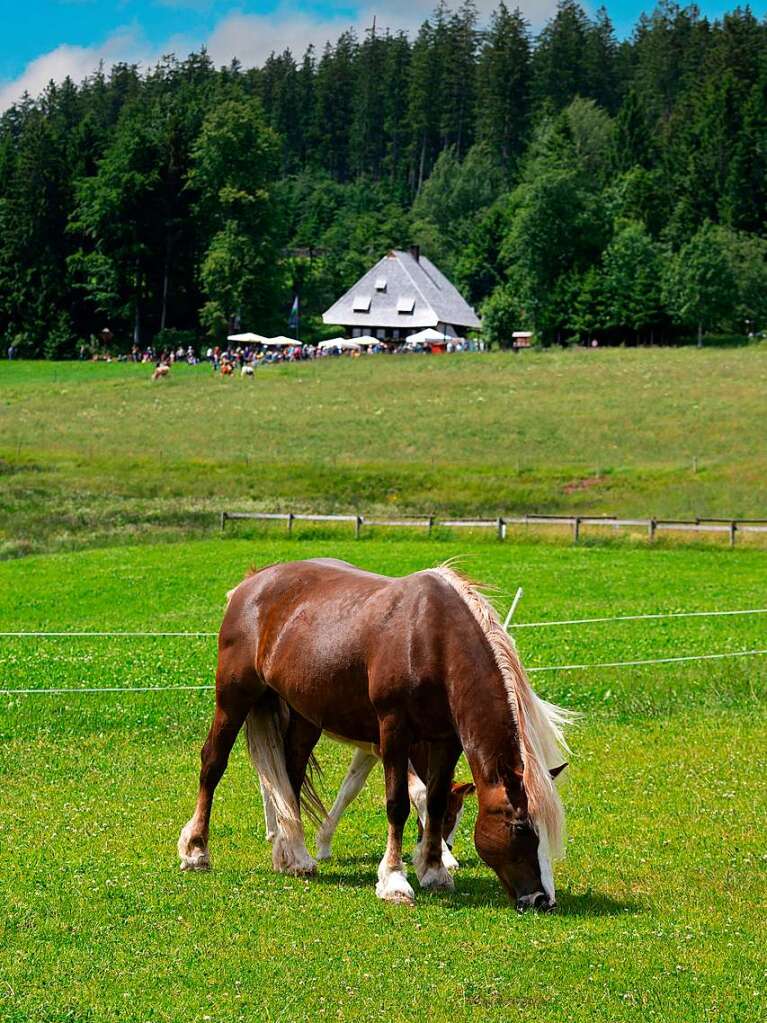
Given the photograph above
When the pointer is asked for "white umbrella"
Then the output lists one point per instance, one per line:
(280, 341)
(367, 341)
(339, 342)
(431, 334)
(248, 338)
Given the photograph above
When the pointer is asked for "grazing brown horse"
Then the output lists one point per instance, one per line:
(387, 663)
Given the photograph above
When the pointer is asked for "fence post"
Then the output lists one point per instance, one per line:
(576, 528)
(651, 529)
(501, 529)
(357, 527)
(431, 524)
(733, 528)
(224, 517)
(290, 523)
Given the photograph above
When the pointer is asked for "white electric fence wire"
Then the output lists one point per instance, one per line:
(639, 618)
(107, 635)
(552, 667)
(652, 660)
(43, 634)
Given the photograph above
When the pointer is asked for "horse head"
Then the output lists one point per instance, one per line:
(515, 844)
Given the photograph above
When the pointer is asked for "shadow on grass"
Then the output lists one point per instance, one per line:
(476, 892)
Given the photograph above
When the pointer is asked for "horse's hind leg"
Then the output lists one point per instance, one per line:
(231, 707)
(359, 769)
(393, 884)
(282, 773)
(419, 799)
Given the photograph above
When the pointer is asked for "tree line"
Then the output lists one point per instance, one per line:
(584, 187)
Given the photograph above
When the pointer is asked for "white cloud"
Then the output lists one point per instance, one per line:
(252, 37)
(248, 37)
(77, 62)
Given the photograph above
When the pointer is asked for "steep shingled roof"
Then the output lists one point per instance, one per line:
(409, 283)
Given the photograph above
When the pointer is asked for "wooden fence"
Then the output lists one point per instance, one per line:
(576, 523)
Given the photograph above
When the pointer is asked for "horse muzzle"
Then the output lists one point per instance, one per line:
(538, 901)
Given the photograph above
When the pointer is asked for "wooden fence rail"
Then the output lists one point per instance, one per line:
(731, 527)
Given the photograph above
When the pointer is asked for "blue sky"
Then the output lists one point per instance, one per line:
(43, 39)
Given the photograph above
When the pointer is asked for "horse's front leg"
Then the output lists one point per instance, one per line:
(418, 797)
(427, 859)
(231, 709)
(392, 884)
(359, 769)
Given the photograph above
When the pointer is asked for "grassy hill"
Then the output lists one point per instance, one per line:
(94, 453)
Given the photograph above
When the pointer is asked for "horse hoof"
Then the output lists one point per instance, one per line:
(193, 857)
(198, 860)
(324, 852)
(302, 866)
(395, 888)
(287, 858)
(437, 879)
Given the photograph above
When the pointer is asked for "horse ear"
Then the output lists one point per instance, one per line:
(464, 789)
(554, 771)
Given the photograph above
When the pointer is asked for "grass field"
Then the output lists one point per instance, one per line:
(661, 897)
(96, 454)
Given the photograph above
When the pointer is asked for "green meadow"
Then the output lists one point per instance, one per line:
(96, 454)
(662, 893)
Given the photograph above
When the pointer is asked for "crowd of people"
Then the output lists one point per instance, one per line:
(244, 359)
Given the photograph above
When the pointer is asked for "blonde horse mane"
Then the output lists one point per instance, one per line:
(540, 725)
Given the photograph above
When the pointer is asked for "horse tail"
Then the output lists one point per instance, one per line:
(265, 728)
(311, 801)
(266, 747)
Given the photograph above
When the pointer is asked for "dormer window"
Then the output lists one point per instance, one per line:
(381, 284)
(361, 303)
(405, 305)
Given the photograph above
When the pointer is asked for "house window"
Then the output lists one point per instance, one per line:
(406, 304)
(357, 332)
(361, 304)
(395, 334)
(381, 334)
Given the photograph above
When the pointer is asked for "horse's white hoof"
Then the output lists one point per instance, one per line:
(198, 860)
(437, 879)
(290, 858)
(395, 888)
(192, 857)
(449, 862)
(323, 852)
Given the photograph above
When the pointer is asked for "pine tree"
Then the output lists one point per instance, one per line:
(560, 61)
(503, 86)
(633, 144)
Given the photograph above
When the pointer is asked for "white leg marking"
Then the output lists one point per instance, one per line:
(449, 862)
(417, 791)
(544, 865)
(393, 885)
(359, 769)
(192, 858)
